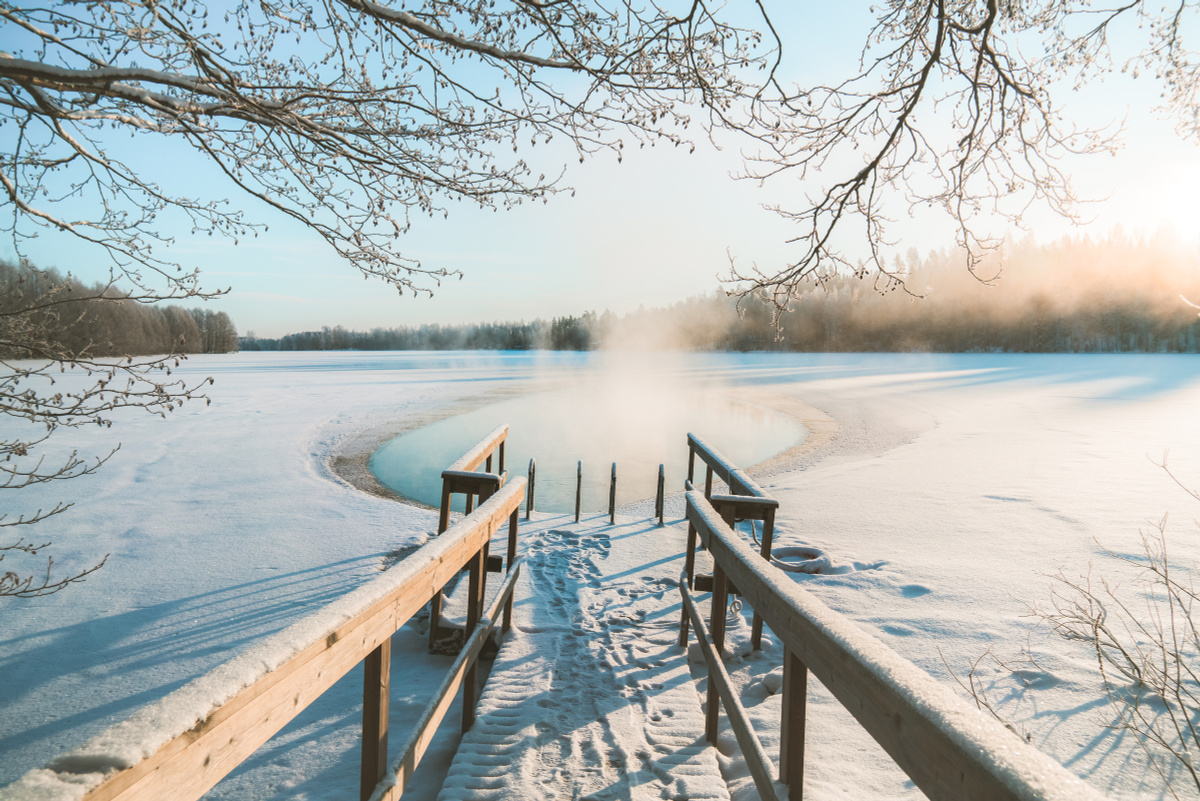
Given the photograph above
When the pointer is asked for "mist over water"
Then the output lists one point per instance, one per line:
(635, 419)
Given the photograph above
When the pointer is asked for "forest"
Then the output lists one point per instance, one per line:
(1077, 295)
(43, 312)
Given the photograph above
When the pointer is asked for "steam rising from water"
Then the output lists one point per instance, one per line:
(632, 411)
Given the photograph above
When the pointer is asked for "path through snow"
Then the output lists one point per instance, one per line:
(590, 696)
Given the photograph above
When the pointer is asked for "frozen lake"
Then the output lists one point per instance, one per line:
(946, 493)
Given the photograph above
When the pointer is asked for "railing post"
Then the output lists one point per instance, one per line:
(501, 468)
(444, 511)
(478, 569)
(658, 497)
(689, 566)
(612, 497)
(377, 669)
(719, 600)
(532, 475)
(512, 557)
(435, 603)
(767, 536)
(578, 488)
(791, 740)
(708, 474)
(691, 463)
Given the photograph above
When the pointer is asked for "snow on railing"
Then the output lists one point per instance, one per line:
(739, 483)
(180, 746)
(949, 749)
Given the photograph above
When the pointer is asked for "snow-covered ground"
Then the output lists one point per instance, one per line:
(946, 493)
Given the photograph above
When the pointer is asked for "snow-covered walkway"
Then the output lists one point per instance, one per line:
(590, 695)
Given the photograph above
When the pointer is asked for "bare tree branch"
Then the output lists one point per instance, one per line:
(951, 109)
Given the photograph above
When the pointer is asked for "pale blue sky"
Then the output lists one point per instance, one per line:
(652, 230)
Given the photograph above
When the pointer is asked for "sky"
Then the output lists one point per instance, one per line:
(657, 228)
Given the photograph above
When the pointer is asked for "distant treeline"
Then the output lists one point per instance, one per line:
(43, 313)
(561, 333)
(1121, 294)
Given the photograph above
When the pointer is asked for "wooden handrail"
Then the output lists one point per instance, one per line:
(950, 749)
(482, 452)
(462, 478)
(739, 483)
(283, 677)
(748, 501)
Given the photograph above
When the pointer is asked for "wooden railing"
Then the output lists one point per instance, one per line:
(463, 478)
(949, 749)
(746, 501)
(288, 671)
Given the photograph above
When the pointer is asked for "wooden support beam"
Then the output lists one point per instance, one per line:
(377, 671)
(512, 562)
(791, 740)
(475, 592)
(719, 600)
(689, 572)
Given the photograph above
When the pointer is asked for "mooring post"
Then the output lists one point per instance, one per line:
(529, 502)
(658, 498)
(612, 497)
(578, 488)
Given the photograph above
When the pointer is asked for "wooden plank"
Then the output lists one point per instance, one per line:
(188, 765)
(746, 507)
(718, 680)
(418, 742)
(469, 482)
(947, 747)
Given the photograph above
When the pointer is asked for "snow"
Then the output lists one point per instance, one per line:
(952, 488)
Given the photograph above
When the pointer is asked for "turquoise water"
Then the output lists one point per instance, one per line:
(636, 427)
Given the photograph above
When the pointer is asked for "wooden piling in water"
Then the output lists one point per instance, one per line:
(578, 488)
(612, 497)
(658, 497)
(532, 474)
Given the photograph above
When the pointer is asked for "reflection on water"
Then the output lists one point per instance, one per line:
(637, 427)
